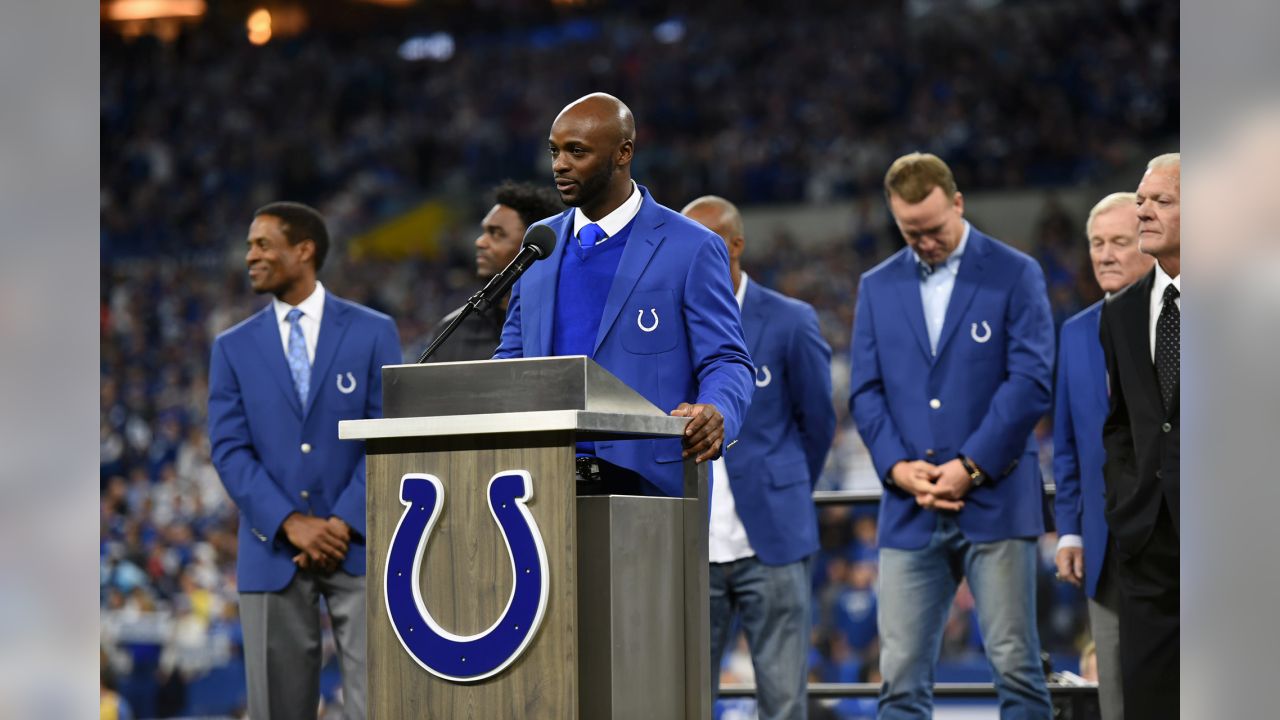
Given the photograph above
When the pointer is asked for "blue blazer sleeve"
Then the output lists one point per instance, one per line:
(350, 505)
(1066, 462)
(1025, 394)
(717, 347)
(246, 480)
(867, 402)
(511, 344)
(809, 383)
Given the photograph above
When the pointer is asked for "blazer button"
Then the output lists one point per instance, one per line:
(1166, 427)
(929, 453)
(935, 403)
(305, 494)
(306, 447)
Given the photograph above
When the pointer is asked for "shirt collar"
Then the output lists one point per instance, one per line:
(952, 262)
(312, 307)
(1162, 280)
(741, 294)
(612, 223)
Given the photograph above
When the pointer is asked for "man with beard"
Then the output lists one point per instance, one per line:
(643, 291)
(516, 207)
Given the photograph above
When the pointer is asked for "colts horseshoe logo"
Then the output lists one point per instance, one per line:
(350, 387)
(986, 332)
(640, 320)
(438, 651)
(763, 380)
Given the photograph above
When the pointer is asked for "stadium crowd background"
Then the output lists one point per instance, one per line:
(752, 102)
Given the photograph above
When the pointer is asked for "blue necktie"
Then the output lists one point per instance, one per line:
(299, 365)
(926, 270)
(589, 235)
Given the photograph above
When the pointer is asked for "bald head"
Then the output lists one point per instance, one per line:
(722, 218)
(591, 143)
(604, 111)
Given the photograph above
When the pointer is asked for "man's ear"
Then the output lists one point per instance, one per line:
(307, 251)
(625, 152)
(736, 246)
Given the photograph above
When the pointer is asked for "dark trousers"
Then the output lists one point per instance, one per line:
(1149, 624)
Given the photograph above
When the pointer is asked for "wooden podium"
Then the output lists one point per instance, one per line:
(619, 583)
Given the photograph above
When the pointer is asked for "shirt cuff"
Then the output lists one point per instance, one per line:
(1070, 541)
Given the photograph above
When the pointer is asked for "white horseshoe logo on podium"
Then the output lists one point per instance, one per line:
(640, 320)
(350, 387)
(986, 332)
(766, 379)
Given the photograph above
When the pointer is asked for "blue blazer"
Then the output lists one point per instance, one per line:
(274, 455)
(678, 270)
(1079, 411)
(788, 429)
(980, 396)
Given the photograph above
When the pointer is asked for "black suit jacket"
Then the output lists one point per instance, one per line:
(1141, 439)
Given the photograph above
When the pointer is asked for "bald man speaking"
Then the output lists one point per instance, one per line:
(641, 290)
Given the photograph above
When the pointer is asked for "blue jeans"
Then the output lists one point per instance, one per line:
(773, 604)
(916, 591)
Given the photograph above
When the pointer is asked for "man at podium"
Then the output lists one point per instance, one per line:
(641, 290)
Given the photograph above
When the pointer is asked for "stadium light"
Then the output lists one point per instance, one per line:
(259, 26)
(125, 10)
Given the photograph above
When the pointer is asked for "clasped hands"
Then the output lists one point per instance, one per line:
(935, 487)
(322, 542)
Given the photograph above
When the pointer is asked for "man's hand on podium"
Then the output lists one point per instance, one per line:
(705, 432)
(322, 543)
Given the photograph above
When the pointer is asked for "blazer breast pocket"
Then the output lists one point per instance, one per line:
(982, 338)
(651, 322)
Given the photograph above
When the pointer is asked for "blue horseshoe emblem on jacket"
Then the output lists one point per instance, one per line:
(438, 651)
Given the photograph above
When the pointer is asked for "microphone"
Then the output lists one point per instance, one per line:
(539, 241)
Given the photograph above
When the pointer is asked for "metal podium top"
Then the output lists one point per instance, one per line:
(523, 395)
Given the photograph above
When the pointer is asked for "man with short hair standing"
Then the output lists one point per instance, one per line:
(279, 383)
(516, 206)
(1141, 340)
(952, 358)
(1080, 407)
(763, 522)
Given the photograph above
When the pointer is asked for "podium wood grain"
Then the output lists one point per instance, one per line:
(466, 577)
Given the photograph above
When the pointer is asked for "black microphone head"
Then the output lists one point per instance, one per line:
(540, 238)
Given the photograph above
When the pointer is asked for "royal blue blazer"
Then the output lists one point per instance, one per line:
(1080, 409)
(788, 429)
(670, 330)
(980, 396)
(276, 456)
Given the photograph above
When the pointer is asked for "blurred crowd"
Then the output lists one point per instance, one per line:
(744, 100)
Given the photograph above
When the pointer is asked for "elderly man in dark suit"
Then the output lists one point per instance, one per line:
(1140, 331)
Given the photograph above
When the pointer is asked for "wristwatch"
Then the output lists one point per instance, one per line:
(976, 475)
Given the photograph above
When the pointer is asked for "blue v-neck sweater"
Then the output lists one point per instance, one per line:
(586, 274)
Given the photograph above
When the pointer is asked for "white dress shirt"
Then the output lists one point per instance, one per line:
(612, 223)
(728, 539)
(312, 311)
(1157, 302)
(935, 290)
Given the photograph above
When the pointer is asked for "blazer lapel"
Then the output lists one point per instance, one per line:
(1138, 334)
(753, 318)
(967, 281)
(538, 292)
(908, 282)
(332, 327)
(266, 336)
(643, 242)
